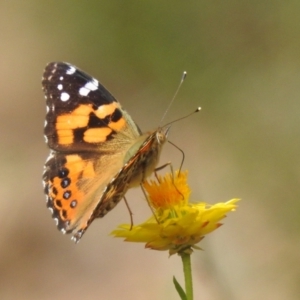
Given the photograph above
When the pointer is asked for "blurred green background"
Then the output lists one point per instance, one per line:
(243, 64)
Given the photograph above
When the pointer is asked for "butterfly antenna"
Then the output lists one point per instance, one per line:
(195, 111)
(180, 83)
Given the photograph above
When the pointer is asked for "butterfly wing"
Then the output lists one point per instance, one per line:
(89, 134)
(81, 114)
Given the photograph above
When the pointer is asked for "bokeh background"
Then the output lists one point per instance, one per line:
(243, 64)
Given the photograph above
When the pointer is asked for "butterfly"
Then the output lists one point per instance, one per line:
(97, 152)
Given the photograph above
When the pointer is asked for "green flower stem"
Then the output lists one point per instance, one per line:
(187, 270)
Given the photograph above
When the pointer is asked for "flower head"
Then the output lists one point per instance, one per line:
(177, 225)
(168, 191)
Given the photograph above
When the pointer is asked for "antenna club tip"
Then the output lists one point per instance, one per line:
(198, 109)
(184, 75)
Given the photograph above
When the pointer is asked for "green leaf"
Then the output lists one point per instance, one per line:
(179, 289)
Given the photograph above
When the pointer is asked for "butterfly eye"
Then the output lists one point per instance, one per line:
(161, 135)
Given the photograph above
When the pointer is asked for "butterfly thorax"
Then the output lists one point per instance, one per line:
(144, 155)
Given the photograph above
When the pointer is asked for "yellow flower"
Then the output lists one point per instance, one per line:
(178, 224)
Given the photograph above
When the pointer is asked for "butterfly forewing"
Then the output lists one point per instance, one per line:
(81, 113)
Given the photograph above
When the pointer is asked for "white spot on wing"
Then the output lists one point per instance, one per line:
(60, 86)
(71, 71)
(45, 123)
(64, 96)
(89, 86)
(92, 85)
(84, 91)
(47, 109)
(61, 78)
(51, 155)
(56, 221)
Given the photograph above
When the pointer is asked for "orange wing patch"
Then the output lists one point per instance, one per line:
(80, 118)
(96, 135)
(64, 190)
(75, 119)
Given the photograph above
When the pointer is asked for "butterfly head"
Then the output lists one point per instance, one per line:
(162, 134)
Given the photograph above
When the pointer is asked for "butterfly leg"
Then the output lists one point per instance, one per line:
(183, 155)
(130, 212)
(147, 199)
(162, 167)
